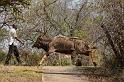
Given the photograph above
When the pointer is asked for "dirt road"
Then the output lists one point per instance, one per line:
(55, 74)
(70, 74)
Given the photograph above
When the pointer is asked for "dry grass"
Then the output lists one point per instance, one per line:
(20, 74)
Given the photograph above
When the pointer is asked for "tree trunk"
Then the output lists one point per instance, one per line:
(118, 51)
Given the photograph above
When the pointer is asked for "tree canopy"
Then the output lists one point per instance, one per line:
(12, 8)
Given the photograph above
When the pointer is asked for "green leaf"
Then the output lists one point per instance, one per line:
(80, 33)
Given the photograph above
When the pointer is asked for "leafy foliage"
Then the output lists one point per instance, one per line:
(12, 9)
(14, 2)
(2, 33)
(2, 56)
(80, 33)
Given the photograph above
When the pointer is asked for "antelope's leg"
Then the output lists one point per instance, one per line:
(43, 59)
(73, 55)
(51, 50)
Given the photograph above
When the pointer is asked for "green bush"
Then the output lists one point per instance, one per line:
(2, 56)
(33, 59)
(57, 60)
(29, 58)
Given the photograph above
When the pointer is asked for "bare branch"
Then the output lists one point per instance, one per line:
(50, 3)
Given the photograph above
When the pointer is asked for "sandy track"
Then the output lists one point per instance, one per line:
(54, 74)
(70, 74)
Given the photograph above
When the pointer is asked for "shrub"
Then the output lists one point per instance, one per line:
(2, 56)
(57, 60)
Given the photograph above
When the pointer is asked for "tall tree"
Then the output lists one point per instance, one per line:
(11, 9)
